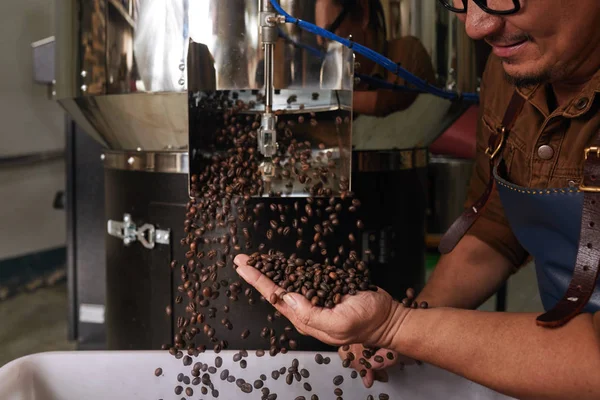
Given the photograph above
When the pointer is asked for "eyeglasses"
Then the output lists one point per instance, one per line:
(494, 7)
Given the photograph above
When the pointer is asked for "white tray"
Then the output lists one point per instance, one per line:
(130, 375)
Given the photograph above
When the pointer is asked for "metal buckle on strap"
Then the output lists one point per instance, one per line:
(493, 153)
(586, 154)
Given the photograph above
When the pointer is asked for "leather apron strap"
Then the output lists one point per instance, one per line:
(494, 151)
(585, 273)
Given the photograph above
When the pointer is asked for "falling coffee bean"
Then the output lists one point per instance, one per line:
(158, 372)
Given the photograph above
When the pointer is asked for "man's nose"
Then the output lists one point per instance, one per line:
(480, 24)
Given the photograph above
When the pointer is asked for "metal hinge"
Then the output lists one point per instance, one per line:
(129, 232)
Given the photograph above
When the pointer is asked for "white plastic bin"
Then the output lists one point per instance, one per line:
(130, 375)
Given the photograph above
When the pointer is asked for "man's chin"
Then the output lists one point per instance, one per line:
(522, 79)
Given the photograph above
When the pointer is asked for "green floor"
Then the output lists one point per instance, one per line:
(34, 322)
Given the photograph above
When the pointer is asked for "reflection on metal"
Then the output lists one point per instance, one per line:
(172, 162)
(147, 234)
(106, 53)
(382, 161)
(444, 37)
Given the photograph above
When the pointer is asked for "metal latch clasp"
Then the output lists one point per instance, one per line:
(147, 234)
(586, 154)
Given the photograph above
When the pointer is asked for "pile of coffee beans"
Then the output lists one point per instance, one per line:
(227, 215)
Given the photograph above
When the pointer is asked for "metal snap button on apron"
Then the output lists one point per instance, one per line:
(545, 152)
(582, 103)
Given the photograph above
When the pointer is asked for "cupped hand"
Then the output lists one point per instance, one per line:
(368, 317)
(377, 372)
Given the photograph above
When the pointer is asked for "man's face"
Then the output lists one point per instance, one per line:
(545, 40)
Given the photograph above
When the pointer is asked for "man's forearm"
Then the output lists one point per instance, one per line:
(506, 352)
(467, 277)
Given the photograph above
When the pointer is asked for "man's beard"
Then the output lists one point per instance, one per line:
(526, 81)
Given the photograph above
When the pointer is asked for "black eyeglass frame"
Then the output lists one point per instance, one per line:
(485, 8)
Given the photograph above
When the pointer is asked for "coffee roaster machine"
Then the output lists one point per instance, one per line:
(132, 76)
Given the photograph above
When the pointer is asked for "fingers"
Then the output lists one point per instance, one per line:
(254, 277)
(300, 312)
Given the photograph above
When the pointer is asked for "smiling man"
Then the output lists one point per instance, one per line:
(534, 192)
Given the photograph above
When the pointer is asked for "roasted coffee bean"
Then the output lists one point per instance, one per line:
(389, 355)
(304, 372)
(314, 397)
(272, 396)
(258, 384)
(289, 378)
(245, 334)
(212, 370)
(384, 396)
(186, 380)
(246, 388)
(338, 392)
(423, 304)
(231, 379)
(345, 347)
(346, 363)
(370, 397)
(224, 374)
(243, 364)
(275, 375)
(178, 390)
(353, 374)
(196, 381)
(338, 380)
(326, 360)
(307, 387)
(363, 373)
(260, 353)
(189, 392)
(300, 398)
(214, 393)
(158, 372)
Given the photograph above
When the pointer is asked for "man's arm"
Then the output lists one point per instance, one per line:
(466, 277)
(507, 352)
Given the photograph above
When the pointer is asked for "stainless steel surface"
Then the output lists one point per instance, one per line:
(43, 60)
(146, 234)
(122, 74)
(380, 161)
(444, 37)
(173, 162)
(449, 179)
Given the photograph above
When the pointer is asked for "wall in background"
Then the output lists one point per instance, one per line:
(30, 122)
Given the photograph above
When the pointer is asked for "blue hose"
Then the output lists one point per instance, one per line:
(315, 52)
(385, 62)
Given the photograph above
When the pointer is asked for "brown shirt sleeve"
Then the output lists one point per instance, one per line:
(492, 227)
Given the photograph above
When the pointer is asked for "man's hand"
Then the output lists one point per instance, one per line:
(377, 372)
(367, 317)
